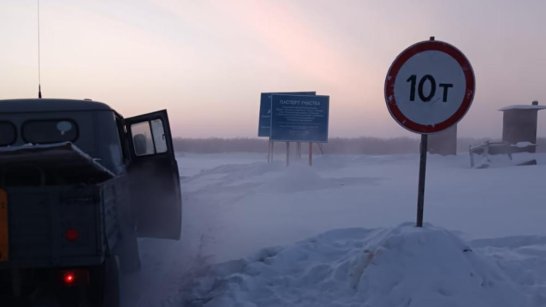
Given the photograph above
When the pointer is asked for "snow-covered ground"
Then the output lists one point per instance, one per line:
(337, 234)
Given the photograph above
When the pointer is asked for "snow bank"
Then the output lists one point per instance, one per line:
(389, 267)
(523, 259)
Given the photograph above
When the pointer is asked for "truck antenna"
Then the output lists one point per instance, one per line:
(39, 64)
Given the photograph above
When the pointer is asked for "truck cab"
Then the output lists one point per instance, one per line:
(79, 183)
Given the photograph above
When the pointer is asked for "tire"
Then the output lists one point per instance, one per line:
(111, 290)
(129, 255)
(105, 284)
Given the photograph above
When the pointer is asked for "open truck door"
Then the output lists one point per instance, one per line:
(155, 183)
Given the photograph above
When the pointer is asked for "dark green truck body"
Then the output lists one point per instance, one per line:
(40, 217)
(79, 187)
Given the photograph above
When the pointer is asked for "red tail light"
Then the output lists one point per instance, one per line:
(69, 278)
(71, 234)
(73, 277)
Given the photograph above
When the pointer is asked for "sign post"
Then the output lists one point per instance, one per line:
(428, 88)
(272, 150)
(287, 153)
(422, 173)
(310, 154)
(269, 151)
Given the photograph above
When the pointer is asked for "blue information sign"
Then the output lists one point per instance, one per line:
(264, 124)
(299, 118)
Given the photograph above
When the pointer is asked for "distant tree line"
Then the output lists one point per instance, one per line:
(361, 145)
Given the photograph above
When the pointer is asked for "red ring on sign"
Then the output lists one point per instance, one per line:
(401, 59)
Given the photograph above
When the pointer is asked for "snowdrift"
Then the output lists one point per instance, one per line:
(401, 266)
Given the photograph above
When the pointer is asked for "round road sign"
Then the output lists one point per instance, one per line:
(429, 87)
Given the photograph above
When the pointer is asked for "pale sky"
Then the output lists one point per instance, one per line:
(207, 62)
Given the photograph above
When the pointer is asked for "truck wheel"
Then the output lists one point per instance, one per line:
(105, 288)
(111, 297)
(129, 255)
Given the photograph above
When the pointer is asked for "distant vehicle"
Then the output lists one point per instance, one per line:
(78, 185)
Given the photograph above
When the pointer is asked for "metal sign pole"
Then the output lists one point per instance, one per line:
(422, 175)
(272, 150)
(310, 154)
(269, 151)
(287, 153)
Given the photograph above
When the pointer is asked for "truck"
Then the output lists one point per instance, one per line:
(79, 184)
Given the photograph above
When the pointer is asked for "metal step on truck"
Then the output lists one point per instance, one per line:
(79, 184)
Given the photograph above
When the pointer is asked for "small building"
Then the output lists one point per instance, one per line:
(443, 142)
(519, 125)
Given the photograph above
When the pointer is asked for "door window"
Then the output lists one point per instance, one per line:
(7, 133)
(50, 131)
(149, 137)
(159, 136)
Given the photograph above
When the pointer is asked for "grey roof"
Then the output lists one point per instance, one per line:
(51, 105)
(523, 107)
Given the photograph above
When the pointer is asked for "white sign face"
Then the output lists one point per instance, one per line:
(429, 87)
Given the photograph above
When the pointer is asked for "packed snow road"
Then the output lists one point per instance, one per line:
(237, 204)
